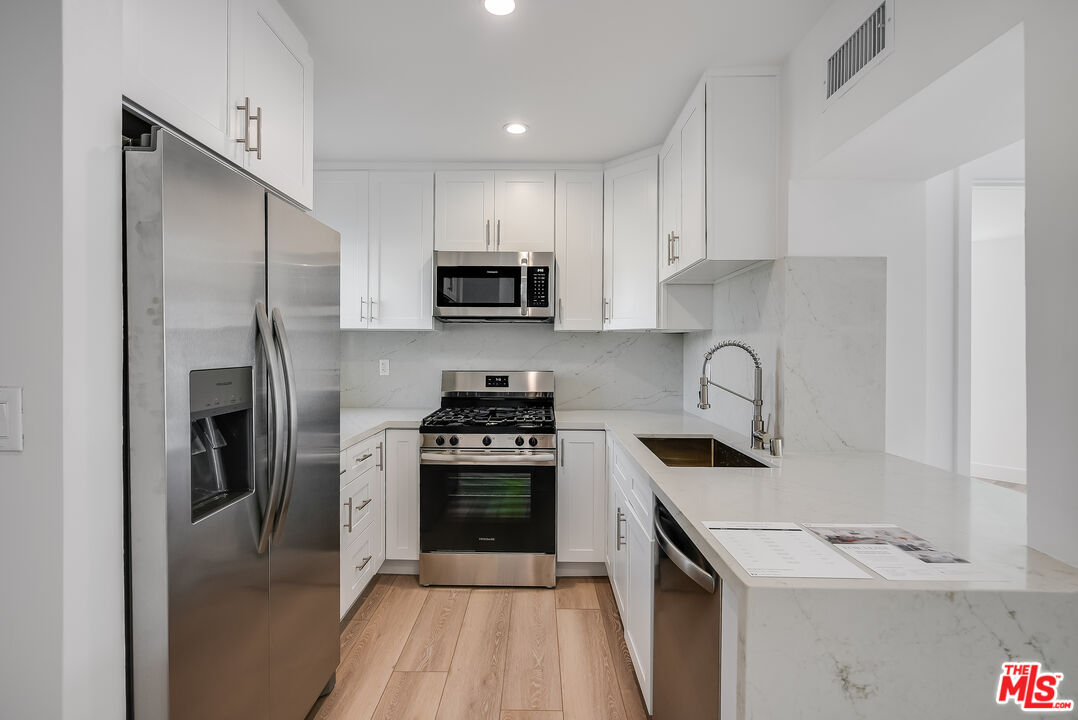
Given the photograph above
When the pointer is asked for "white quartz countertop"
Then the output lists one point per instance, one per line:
(981, 522)
(358, 424)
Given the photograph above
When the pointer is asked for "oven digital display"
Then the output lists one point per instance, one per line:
(497, 381)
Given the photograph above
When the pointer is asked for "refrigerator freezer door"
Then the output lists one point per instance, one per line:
(304, 299)
(199, 597)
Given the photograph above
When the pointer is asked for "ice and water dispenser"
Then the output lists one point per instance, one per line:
(221, 439)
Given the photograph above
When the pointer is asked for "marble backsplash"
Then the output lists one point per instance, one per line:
(624, 371)
(818, 325)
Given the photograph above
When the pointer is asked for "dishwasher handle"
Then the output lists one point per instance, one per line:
(697, 574)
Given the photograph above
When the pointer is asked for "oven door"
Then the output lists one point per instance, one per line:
(487, 502)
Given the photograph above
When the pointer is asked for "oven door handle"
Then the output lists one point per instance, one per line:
(487, 458)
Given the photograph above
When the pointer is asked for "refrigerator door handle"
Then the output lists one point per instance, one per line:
(277, 446)
(293, 421)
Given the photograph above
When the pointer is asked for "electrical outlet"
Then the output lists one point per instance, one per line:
(383, 367)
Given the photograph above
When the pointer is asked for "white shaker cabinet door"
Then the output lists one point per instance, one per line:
(619, 553)
(524, 211)
(402, 494)
(401, 250)
(638, 620)
(464, 210)
(176, 59)
(275, 71)
(669, 203)
(578, 251)
(630, 226)
(340, 201)
(581, 496)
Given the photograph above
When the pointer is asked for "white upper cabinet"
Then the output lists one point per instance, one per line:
(464, 210)
(401, 223)
(669, 202)
(524, 211)
(578, 250)
(176, 66)
(386, 222)
(720, 180)
(192, 64)
(508, 210)
(630, 219)
(274, 79)
(341, 201)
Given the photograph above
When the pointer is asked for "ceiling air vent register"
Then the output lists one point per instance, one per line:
(863, 50)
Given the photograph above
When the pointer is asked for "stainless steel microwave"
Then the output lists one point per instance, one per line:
(493, 286)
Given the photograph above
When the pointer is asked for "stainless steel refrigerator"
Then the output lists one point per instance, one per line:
(232, 432)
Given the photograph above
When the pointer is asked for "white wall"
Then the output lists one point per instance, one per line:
(931, 39)
(998, 334)
(60, 499)
(1051, 290)
(93, 612)
(30, 356)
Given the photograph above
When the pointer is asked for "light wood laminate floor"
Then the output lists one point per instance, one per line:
(415, 653)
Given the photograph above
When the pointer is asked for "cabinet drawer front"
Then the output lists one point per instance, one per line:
(360, 458)
(359, 562)
(359, 501)
(636, 485)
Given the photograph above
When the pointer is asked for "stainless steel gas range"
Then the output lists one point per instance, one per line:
(488, 462)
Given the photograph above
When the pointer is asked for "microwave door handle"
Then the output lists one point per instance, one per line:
(524, 286)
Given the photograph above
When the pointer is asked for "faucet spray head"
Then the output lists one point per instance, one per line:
(703, 404)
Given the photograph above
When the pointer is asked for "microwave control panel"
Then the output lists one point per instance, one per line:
(538, 286)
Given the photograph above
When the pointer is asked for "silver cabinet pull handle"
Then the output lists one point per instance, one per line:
(674, 237)
(498, 236)
(621, 538)
(363, 308)
(343, 472)
(561, 310)
(363, 457)
(363, 504)
(381, 457)
(289, 373)
(348, 504)
(246, 139)
(258, 132)
(372, 308)
(364, 563)
(488, 235)
(278, 444)
(606, 308)
(669, 249)
(561, 460)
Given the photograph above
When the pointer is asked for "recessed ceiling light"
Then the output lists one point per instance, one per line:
(516, 128)
(500, 7)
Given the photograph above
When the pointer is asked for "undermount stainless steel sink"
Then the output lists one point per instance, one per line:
(679, 451)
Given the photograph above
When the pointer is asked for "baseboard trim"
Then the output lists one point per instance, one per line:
(998, 472)
(562, 569)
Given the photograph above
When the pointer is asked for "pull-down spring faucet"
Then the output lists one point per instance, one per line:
(761, 434)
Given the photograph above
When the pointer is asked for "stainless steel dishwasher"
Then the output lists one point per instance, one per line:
(688, 613)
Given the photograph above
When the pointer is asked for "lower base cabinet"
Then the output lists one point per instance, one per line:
(402, 494)
(631, 553)
(362, 530)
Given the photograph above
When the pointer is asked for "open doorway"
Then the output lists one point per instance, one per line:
(997, 445)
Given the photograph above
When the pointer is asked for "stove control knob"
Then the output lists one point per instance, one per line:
(533, 442)
(487, 440)
(519, 441)
(454, 440)
(440, 440)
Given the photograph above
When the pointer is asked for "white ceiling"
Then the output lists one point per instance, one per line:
(435, 80)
